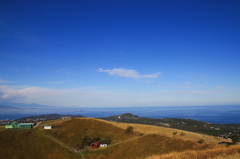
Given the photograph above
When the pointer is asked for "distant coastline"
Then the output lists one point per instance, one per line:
(212, 114)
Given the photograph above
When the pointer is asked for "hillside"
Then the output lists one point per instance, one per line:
(72, 132)
(219, 130)
(29, 144)
(72, 138)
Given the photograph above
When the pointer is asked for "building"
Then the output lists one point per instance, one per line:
(26, 125)
(95, 144)
(15, 125)
(47, 127)
(103, 145)
(12, 125)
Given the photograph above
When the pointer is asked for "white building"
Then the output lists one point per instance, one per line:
(47, 127)
(103, 145)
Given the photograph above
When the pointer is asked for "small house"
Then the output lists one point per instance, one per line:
(47, 127)
(95, 144)
(103, 145)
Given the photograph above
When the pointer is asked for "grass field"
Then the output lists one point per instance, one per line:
(72, 131)
(217, 153)
(149, 129)
(146, 142)
(29, 144)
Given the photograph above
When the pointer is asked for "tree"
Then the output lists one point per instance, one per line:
(235, 138)
(129, 130)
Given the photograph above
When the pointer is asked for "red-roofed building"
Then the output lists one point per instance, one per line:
(95, 144)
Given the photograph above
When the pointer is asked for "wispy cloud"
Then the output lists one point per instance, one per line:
(128, 73)
(202, 75)
(188, 83)
(16, 69)
(64, 70)
(184, 87)
(59, 82)
(220, 87)
(92, 97)
(4, 81)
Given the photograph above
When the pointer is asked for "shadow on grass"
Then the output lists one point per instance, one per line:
(227, 143)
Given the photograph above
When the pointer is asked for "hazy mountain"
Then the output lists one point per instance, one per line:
(12, 104)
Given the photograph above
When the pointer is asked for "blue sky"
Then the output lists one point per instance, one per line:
(120, 53)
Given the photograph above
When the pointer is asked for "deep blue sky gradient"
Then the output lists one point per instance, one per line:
(51, 52)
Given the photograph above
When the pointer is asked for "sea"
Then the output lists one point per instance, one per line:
(228, 114)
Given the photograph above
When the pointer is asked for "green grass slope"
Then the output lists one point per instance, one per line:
(30, 144)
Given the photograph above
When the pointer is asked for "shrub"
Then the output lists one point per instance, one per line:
(129, 130)
(235, 138)
(175, 133)
(200, 141)
(182, 134)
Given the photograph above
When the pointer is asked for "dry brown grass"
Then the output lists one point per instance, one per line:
(157, 142)
(237, 156)
(72, 131)
(217, 153)
(150, 129)
(29, 144)
(149, 144)
(49, 122)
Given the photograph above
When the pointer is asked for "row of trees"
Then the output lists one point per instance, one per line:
(87, 141)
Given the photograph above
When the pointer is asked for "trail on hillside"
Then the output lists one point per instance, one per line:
(53, 122)
(62, 144)
(134, 138)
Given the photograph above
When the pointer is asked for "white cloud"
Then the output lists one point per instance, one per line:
(188, 83)
(59, 82)
(64, 70)
(220, 87)
(128, 73)
(93, 97)
(4, 81)
(16, 69)
(183, 86)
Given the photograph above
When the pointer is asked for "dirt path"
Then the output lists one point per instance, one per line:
(62, 144)
(134, 138)
(54, 122)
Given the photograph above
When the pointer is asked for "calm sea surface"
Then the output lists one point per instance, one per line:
(212, 114)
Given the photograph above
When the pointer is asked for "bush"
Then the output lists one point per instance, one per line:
(129, 130)
(182, 134)
(235, 138)
(200, 141)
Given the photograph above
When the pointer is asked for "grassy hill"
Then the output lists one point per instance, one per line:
(151, 142)
(73, 131)
(29, 144)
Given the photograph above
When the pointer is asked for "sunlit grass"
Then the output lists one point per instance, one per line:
(217, 153)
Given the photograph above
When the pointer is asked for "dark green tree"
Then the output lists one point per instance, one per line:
(129, 130)
(235, 138)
